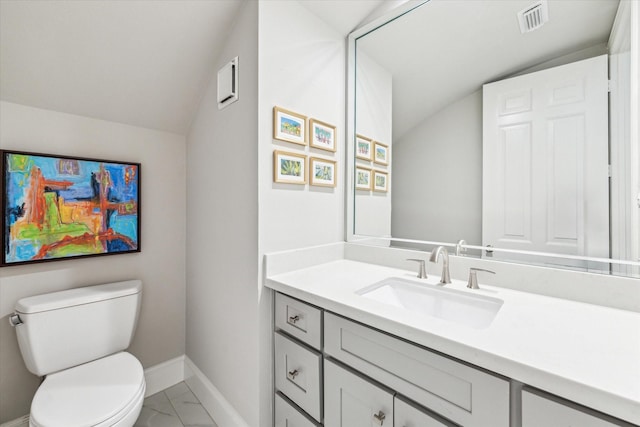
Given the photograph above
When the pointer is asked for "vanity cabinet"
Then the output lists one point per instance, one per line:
(332, 371)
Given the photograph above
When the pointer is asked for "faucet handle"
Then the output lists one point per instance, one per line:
(422, 274)
(473, 277)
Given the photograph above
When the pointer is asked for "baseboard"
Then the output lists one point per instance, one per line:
(18, 422)
(211, 398)
(164, 375)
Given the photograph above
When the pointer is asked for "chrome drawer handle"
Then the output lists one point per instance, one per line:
(293, 374)
(294, 319)
(380, 416)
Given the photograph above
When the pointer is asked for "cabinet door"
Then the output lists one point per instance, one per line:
(409, 415)
(288, 416)
(539, 411)
(352, 401)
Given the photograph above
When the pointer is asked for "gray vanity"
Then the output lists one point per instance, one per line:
(342, 359)
(334, 371)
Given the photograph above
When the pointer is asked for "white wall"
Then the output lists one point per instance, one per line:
(222, 228)
(438, 176)
(374, 91)
(160, 265)
(302, 68)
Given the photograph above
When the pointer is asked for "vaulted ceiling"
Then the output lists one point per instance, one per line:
(143, 62)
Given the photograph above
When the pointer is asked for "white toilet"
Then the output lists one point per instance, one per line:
(76, 339)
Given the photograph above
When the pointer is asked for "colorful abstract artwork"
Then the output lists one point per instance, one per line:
(65, 207)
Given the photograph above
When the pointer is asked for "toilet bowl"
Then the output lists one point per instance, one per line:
(76, 339)
(107, 392)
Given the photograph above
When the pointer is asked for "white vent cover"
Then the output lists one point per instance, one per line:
(533, 17)
(228, 84)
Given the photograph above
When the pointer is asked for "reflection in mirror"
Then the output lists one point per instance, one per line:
(504, 136)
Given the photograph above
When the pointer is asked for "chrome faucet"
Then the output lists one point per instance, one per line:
(437, 252)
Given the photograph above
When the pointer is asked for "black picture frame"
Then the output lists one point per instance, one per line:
(58, 207)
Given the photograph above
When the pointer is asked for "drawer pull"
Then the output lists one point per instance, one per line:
(293, 319)
(293, 374)
(379, 417)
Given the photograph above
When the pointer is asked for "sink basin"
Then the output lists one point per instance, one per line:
(475, 311)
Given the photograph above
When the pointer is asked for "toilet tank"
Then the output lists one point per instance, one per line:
(67, 328)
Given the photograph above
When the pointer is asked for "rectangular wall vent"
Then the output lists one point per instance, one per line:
(533, 17)
(228, 84)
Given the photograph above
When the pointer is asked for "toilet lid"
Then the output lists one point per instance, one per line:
(89, 394)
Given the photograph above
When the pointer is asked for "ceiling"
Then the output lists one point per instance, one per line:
(450, 48)
(144, 62)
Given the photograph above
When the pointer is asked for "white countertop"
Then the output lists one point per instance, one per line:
(583, 352)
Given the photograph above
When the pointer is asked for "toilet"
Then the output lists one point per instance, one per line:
(76, 340)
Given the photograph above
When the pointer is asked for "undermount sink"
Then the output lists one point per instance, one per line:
(475, 311)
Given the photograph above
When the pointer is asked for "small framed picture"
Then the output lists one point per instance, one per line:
(363, 179)
(363, 147)
(322, 135)
(381, 153)
(380, 181)
(289, 126)
(289, 168)
(322, 172)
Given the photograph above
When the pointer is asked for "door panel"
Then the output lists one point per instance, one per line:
(545, 161)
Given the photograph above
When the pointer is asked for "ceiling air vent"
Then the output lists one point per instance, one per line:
(533, 17)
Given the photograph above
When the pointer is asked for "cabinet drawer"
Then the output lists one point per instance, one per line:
(300, 320)
(540, 411)
(299, 374)
(352, 401)
(409, 415)
(288, 416)
(456, 391)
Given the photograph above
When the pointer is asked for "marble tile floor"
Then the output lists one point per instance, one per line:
(176, 406)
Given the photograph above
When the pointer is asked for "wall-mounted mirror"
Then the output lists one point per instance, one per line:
(509, 124)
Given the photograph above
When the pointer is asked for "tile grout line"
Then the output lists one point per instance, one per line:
(199, 403)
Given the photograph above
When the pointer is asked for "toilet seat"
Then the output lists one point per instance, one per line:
(96, 394)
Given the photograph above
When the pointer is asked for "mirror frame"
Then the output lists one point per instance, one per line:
(350, 235)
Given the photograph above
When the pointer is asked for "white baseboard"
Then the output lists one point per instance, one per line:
(18, 422)
(163, 375)
(211, 398)
(166, 374)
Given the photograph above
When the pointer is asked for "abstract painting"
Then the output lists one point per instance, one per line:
(59, 207)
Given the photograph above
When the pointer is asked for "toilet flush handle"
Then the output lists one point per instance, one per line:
(15, 320)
